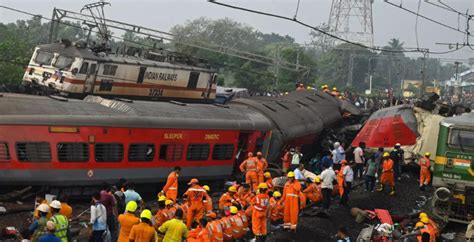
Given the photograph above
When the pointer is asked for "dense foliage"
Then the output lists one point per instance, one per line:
(335, 66)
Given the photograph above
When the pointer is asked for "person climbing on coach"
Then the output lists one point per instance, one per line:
(260, 212)
(250, 168)
(290, 198)
(262, 166)
(398, 157)
(61, 222)
(425, 174)
(170, 190)
(387, 174)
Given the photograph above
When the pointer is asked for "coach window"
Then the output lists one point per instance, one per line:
(84, 67)
(198, 152)
(33, 151)
(4, 152)
(141, 152)
(73, 152)
(223, 152)
(171, 152)
(109, 70)
(193, 79)
(108, 152)
(106, 85)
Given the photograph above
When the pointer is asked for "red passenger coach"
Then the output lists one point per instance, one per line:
(69, 142)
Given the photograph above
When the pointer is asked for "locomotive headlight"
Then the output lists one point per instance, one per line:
(442, 194)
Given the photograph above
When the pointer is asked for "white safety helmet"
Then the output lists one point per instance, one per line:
(55, 204)
(337, 144)
(44, 208)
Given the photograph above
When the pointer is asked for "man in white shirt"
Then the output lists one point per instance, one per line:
(328, 176)
(348, 179)
(98, 219)
(338, 154)
(296, 158)
(299, 174)
(359, 160)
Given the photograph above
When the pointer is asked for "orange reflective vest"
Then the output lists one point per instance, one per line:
(245, 221)
(276, 209)
(195, 196)
(216, 233)
(226, 228)
(424, 163)
(171, 186)
(260, 203)
(269, 182)
(227, 199)
(249, 165)
(313, 193)
(237, 226)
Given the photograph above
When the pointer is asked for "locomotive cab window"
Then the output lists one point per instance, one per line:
(463, 139)
(73, 152)
(171, 152)
(84, 67)
(198, 152)
(106, 85)
(141, 152)
(92, 69)
(223, 152)
(110, 70)
(63, 62)
(43, 58)
(193, 79)
(108, 152)
(33, 151)
(4, 152)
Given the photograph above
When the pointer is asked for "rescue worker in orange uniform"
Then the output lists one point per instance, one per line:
(300, 87)
(207, 201)
(335, 92)
(195, 194)
(268, 180)
(229, 198)
(387, 174)
(245, 195)
(245, 224)
(424, 229)
(313, 191)
(170, 190)
(127, 220)
(290, 198)
(325, 88)
(262, 165)
(276, 208)
(199, 233)
(214, 228)
(430, 223)
(249, 166)
(425, 175)
(340, 178)
(226, 225)
(261, 211)
(163, 213)
(236, 224)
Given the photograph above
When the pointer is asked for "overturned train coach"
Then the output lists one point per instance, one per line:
(58, 141)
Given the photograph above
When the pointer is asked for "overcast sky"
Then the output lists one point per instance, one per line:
(389, 21)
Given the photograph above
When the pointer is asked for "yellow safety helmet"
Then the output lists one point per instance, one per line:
(425, 220)
(276, 194)
(334, 88)
(267, 174)
(146, 214)
(290, 174)
(422, 214)
(131, 206)
(324, 86)
(232, 189)
(206, 187)
(168, 202)
(262, 186)
(428, 154)
(317, 179)
(419, 225)
(234, 210)
(386, 154)
(161, 198)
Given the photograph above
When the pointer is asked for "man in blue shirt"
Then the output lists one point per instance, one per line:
(132, 195)
(49, 237)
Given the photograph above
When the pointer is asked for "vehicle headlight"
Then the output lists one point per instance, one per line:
(442, 194)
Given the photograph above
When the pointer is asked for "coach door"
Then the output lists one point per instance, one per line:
(90, 79)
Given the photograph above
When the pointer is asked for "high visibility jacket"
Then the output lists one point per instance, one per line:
(62, 225)
(424, 163)
(40, 230)
(335, 93)
(262, 164)
(245, 221)
(216, 233)
(161, 216)
(276, 209)
(245, 197)
(226, 228)
(428, 230)
(387, 165)
(193, 235)
(204, 235)
(195, 196)
(302, 200)
(260, 203)
(208, 204)
(126, 221)
(184, 207)
(313, 193)
(237, 226)
(171, 186)
(340, 180)
(249, 165)
(290, 198)
(142, 232)
(269, 182)
(227, 199)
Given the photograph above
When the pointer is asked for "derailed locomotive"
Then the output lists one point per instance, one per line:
(58, 141)
(75, 70)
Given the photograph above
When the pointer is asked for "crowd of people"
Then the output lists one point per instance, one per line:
(243, 211)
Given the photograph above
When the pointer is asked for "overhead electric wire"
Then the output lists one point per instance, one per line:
(416, 24)
(418, 50)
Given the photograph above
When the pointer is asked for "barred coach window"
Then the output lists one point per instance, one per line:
(73, 152)
(33, 151)
(198, 152)
(223, 152)
(141, 152)
(171, 152)
(4, 152)
(108, 152)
